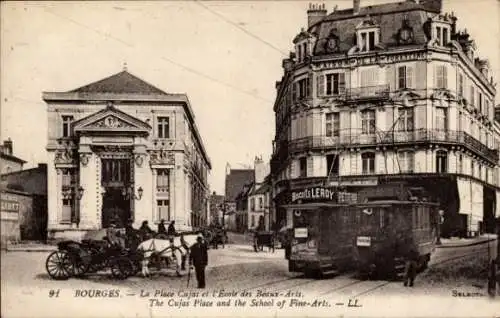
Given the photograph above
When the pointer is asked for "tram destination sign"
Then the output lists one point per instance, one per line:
(314, 194)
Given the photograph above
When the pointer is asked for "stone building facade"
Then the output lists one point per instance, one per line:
(121, 149)
(383, 93)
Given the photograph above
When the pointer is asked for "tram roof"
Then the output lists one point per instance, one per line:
(370, 204)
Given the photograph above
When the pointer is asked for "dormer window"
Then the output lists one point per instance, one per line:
(302, 51)
(367, 35)
(442, 35)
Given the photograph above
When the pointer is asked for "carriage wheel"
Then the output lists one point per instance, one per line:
(80, 267)
(122, 268)
(59, 265)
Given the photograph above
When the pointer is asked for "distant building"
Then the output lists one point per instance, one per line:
(30, 183)
(258, 200)
(9, 162)
(216, 206)
(122, 149)
(237, 185)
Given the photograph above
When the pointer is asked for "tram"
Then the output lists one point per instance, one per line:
(371, 231)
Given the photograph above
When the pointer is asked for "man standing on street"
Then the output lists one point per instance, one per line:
(199, 258)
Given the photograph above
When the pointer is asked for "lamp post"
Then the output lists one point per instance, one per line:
(129, 192)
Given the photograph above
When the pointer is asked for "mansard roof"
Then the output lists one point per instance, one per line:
(390, 17)
(120, 83)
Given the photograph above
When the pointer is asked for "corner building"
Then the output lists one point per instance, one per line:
(384, 93)
(121, 149)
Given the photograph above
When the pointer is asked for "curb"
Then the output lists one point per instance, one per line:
(27, 249)
(467, 244)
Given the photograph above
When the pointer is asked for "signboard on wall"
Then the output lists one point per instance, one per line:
(314, 194)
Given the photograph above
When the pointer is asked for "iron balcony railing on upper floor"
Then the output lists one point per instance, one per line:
(356, 139)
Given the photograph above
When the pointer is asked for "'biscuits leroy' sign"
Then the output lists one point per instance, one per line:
(314, 194)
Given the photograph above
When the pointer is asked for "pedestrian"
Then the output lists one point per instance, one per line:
(161, 227)
(171, 229)
(198, 257)
(411, 267)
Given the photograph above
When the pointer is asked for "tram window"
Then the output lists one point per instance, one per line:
(345, 216)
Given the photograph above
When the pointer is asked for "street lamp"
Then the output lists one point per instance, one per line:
(128, 192)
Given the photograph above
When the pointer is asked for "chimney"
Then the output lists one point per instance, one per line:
(315, 14)
(355, 6)
(7, 144)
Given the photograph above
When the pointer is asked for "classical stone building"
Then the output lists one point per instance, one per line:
(121, 149)
(389, 92)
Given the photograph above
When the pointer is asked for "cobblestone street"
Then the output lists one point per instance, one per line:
(236, 267)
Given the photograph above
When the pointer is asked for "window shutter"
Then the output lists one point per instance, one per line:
(402, 81)
(320, 81)
(341, 83)
(445, 76)
(391, 77)
(409, 77)
(309, 85)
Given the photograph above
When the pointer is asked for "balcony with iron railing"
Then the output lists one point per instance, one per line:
(357, 139)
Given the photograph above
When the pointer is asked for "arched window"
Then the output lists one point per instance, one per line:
(368, 162)
(441, 161)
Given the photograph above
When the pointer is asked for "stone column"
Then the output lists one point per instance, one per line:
(90, 182)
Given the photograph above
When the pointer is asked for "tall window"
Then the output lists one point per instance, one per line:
(335, 84)
(332, 164)
(406, 161)
(252, 204)
(261, 204)
(405, 117)
(301, 89)
(66, 125)
(441, 118)
(405, 77)
(303, 167)
(332, 124)
(163, 127)
(253, 221)
(115, 171)
(441, 161)
(368, 122)
(461, 87)
(162, 180)
(163, 209)
(368, 162)
(441, 76)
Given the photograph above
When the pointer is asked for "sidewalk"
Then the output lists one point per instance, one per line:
(459, 242)
(29, 247)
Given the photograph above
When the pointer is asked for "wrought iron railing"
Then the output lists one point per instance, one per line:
(394, 138)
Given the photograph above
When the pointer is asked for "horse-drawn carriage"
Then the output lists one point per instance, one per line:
(264, 238)
(215, 235)
(75, 259)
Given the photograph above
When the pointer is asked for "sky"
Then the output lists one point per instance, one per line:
(226, 56)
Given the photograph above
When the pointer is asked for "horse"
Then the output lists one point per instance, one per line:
(177, 247)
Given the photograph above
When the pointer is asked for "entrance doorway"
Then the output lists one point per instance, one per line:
(116, 177)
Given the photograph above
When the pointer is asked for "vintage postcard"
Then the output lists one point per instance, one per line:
(334, 158)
